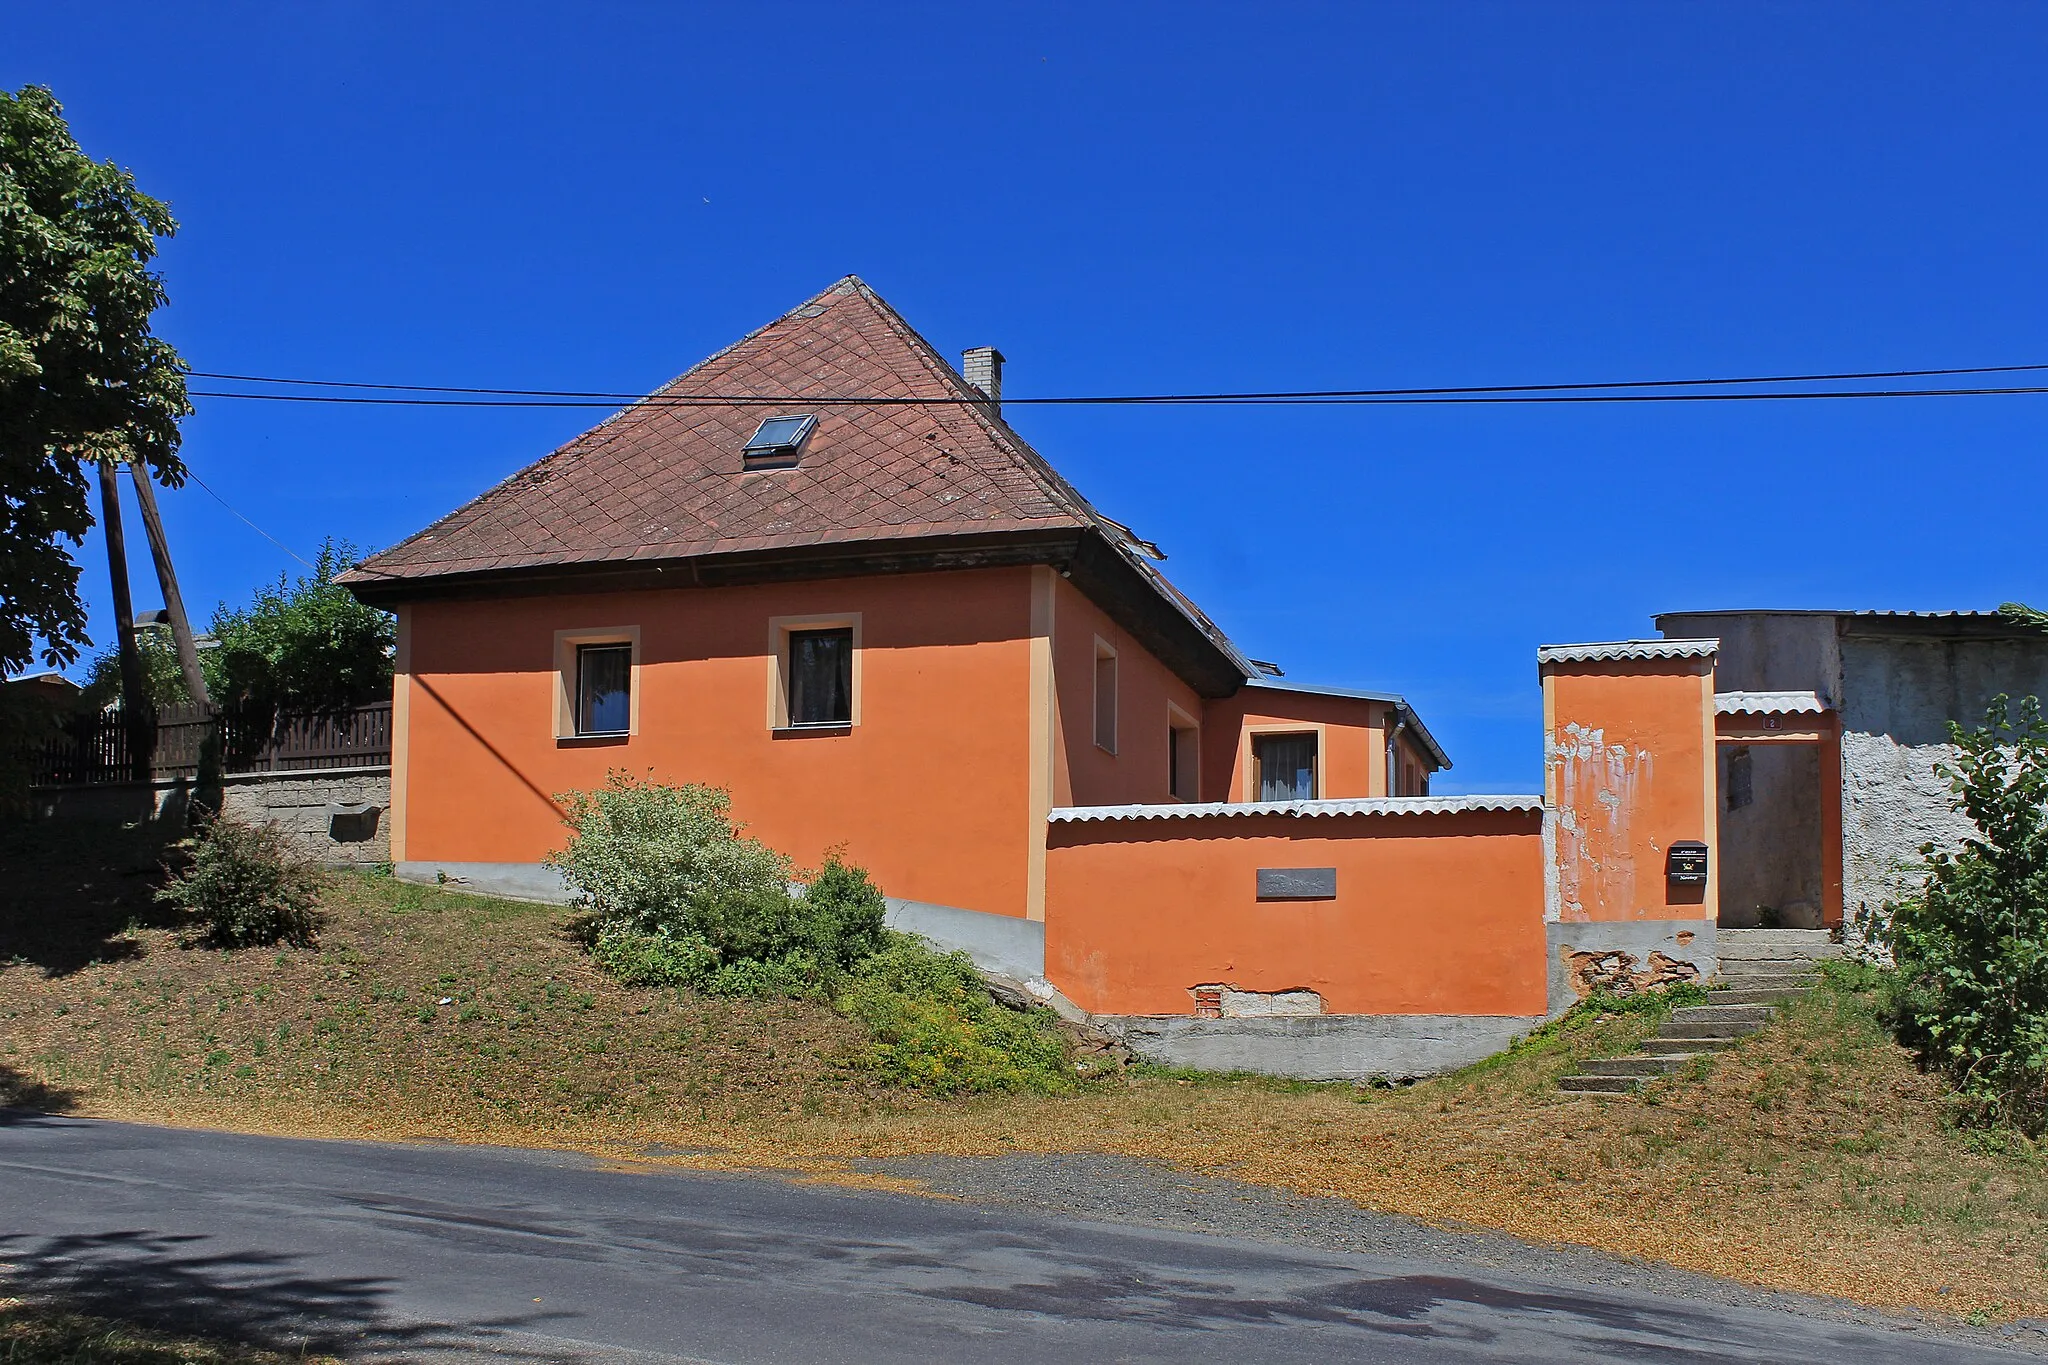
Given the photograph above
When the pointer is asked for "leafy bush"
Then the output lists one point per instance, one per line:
(247, 884)
(304, 646)
(934, 1026)
(1971, 987)
(681, 897)
(642, 854)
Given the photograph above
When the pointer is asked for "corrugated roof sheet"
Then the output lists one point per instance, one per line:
(1769, 704)
(1302, 810)
(1626, 649)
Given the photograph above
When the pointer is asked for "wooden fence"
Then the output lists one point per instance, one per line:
(95, 747)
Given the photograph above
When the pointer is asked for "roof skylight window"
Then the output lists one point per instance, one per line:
(778, 442)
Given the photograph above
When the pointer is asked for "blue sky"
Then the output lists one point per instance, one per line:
(1147, 198)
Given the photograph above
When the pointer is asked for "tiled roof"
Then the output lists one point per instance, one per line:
(1301, 810)
(1626, 649)
(659, 481)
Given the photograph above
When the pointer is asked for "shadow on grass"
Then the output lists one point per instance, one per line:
(75, 887)
(179, 1283)
(22, 1099)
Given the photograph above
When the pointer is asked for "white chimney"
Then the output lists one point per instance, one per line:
(982, 367)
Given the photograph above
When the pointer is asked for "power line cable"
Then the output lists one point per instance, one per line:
(250, 524)
(1456, 398)
(1292, 395)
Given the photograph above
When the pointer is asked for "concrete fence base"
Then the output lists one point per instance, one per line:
(335, 816)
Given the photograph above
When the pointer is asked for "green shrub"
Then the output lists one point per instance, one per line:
(641, 854)
(681, 897)
(1971, 989)
(247, 885)
(1651, 1000)
(934, 1026)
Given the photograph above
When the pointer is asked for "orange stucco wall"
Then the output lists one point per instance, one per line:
(1084, 774)
(1353, 754)
(930, 790)
(1629, 767)
(1434, 914)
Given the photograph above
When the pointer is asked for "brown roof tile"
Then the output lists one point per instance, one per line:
(663, 481)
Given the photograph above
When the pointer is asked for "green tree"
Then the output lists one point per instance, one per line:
(81, 376)
(1971, 990)
(304, 646)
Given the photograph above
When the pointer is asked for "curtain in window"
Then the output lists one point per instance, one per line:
(1287, 767)
(604, 700)
(821, 677)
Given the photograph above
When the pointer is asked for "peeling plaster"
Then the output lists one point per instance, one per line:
(1229, 1002)
(1598, 786)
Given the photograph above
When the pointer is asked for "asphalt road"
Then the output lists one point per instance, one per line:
(439, 1253)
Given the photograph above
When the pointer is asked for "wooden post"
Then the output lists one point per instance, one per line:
(137, 716)
(167, 578)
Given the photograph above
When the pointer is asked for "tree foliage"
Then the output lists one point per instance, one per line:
(1971, 991)
(302, 646)
(81, 376)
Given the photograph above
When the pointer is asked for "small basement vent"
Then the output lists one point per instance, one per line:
(778, 443)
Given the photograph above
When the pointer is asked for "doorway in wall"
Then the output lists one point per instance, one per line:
(1779, 828)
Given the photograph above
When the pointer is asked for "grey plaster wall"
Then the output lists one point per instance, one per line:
(296, 802)
(1686, 941)
(1766, 651)
(1898, 697)
(1322, 1047)
(1770, 849)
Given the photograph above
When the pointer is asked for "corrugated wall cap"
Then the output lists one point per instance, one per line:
(1769, 704)
(1301, 810)
(1627, 649)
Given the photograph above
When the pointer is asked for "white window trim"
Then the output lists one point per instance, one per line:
(566, 644)
(1248, 762)
(779, 628)
(1177, 721)
(1105, 650)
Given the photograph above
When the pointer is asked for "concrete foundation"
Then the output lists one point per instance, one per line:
(535, 882)
(1323, 1047)
(1002, 944)
(1674, 949)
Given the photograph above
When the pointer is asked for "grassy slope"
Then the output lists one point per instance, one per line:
(36, 1334)
(1813, 1158)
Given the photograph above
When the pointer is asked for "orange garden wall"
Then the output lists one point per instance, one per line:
(1354, 756)
(930, 790)
(1629, 768)
(1434, 914)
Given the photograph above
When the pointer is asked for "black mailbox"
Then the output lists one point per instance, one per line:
(1686, 863)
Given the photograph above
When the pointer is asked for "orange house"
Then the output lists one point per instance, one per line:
(820, 570)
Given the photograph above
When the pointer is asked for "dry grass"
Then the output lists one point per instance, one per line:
(37, 1334)
(1815, 1158)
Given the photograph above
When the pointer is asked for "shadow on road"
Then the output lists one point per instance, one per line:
(179, 1283)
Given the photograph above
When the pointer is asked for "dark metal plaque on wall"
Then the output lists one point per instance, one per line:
(1297, 883)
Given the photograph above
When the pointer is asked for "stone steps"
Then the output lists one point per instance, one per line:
(1760, 970)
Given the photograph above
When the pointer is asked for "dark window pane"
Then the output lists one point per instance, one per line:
(604, 700)
(821, 677)
(1287, 767)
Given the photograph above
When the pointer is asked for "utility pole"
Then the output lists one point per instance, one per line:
(167, 578)
(136, 713)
